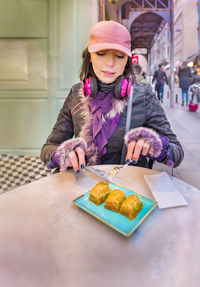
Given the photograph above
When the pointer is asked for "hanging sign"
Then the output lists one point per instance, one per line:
(141, 60)
(139, 51)
(135, 59)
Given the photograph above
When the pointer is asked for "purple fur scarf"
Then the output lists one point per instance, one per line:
(93, 153)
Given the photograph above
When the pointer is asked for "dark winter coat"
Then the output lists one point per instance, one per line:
(146, 111)
(160, 76)
(185, 77)
(195, 79)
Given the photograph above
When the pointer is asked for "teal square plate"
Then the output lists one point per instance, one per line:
(113, 219)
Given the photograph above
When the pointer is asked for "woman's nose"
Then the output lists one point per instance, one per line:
(110, 60)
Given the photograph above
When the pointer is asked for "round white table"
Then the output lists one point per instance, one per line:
(47, 241)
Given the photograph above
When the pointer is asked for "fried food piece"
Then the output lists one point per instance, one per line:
(131, 206)
(99, 193)
(115, 199)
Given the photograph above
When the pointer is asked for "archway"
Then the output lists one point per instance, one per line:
(143, 30)
(134, 15)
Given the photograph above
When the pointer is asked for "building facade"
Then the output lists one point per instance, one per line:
(185, 35)
(160, 52)
(185, 29)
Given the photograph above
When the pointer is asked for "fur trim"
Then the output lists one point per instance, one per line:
(72, 144)
(92, 150)
(60, 156)
(149, 136)
(117, 108)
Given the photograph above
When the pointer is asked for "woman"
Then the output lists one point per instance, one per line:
(90, 128)
(185, 80)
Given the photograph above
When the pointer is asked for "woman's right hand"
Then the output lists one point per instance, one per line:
(76, 159)
(72, 153)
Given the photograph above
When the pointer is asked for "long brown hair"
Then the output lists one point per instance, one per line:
(87, 70)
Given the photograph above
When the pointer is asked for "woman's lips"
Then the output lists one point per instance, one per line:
(108, 74)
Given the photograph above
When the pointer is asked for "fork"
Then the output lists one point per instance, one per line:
(115, 170)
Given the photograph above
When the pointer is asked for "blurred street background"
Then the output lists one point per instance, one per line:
(186, 126)
(41, 43)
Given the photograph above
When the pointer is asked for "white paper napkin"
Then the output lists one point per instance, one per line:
(164, 190)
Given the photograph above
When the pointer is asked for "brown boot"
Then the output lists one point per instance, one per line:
(182, 103)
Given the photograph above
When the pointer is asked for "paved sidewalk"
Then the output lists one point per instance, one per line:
(186, 126)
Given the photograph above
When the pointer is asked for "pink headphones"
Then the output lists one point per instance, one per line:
(122, 87)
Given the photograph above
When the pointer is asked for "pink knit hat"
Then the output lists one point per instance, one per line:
(109, 35)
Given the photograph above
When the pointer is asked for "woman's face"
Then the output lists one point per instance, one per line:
(108, 65)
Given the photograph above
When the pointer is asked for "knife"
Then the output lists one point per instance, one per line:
(97, 174)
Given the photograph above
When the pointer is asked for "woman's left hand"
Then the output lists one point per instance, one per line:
(135, 149)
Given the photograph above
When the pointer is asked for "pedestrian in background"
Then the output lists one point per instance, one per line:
(91, 126)
(195, 77)
(185, 80)
(176, 78)
(161, 78)
(139, 74)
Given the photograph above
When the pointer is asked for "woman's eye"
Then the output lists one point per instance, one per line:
(100, 53)
(120, 56)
